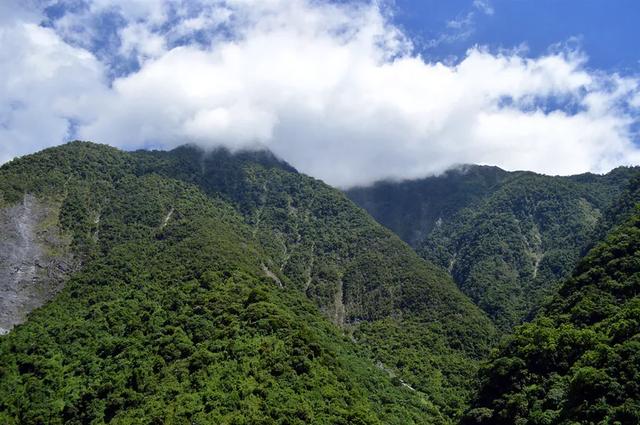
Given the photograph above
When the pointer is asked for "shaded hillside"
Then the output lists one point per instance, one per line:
(413, 208)
(579, 360)
(513, 236)
(192, 300)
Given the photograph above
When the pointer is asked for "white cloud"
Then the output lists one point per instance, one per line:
(137, 39)
(46, 85)
(333, 89)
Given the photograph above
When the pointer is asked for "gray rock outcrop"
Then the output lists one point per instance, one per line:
(34, 259)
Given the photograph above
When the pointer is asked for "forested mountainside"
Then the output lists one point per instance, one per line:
(360, 275)
(506, 238)
(227, 288)
(578, 361)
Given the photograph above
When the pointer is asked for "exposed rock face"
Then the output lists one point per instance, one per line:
(34, 259)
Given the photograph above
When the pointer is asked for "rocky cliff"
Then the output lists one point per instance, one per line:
(34, 258)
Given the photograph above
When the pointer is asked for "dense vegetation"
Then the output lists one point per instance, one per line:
(579, 360)
(192, 305)
(357, 272)
(506, 238)
(228, 288)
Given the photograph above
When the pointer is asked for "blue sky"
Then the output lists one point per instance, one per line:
(607, 30)
(347, 91)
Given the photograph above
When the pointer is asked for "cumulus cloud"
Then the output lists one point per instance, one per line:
(45, 90)
(333, 88)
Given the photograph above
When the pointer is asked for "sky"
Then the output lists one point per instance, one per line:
(347, 91)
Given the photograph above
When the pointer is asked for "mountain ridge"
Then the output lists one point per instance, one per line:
(223, 287)
(125, 209)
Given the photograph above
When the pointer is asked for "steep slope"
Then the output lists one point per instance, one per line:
(192, 300)
(34, 258)
(510, 242)
(579, 360)
(359, 274)
(172, 318)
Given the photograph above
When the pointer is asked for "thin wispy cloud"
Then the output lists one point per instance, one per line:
(334, 88)
(484, 6)
(463, 26)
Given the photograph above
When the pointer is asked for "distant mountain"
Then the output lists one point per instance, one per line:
(219, 288)
(578, 361)
(413, 208)
(505, 237)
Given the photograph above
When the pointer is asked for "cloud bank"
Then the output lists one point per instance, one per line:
(333, 88)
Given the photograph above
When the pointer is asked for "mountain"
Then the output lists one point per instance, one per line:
(193, 287)
(359, 274)
(579, 360)
(506, 238)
